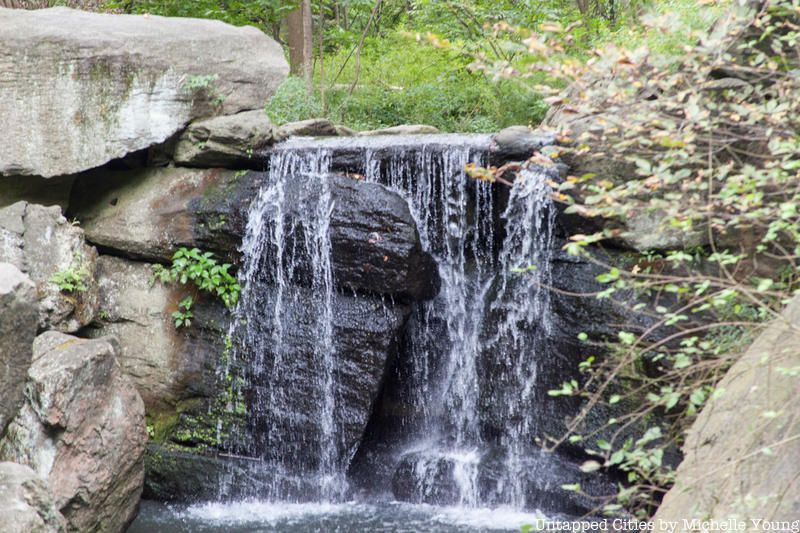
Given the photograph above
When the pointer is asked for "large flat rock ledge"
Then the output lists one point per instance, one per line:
(80, 89)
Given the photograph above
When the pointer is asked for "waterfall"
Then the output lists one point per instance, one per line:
(476, 344)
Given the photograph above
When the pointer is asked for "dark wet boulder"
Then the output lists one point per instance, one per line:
(375, 244)
(364, 341)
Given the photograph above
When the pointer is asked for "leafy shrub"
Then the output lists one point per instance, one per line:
(707, 142)
(404, 82)
(205, 273)
(292, 102)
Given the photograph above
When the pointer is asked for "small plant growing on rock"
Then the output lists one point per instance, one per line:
(204, 272)
(205, 84)
(70, 280)
(183, 316)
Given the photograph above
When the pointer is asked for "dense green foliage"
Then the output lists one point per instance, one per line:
(415, 64)
(260, 13)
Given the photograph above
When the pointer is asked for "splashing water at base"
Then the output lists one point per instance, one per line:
(389, 517)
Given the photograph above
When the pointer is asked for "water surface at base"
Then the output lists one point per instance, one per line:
(253, 517)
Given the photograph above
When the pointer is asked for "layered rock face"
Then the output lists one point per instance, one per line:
(166, 365)
(82, 430)
(39, 241)
(72, 78)
(18, 319)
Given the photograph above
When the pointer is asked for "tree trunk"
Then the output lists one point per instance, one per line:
(301, 42)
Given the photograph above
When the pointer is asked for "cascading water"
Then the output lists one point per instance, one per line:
(276, 247)
(470, 362)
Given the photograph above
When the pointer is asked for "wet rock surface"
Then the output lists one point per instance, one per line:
(150, 214)
(366, 333)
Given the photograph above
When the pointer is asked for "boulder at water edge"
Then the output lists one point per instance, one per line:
(81, 89)
(741, 454)
(82, 430)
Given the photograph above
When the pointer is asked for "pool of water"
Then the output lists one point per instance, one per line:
(254, 516)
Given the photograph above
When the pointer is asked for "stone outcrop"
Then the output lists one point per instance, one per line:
(166, 365)
(40, 242)
(81, 89)
(149, 214)
(18, 321)
(741, 452)
(517, 143)
(225, 142)
(82, 430)
(313, 127)
(26, 505)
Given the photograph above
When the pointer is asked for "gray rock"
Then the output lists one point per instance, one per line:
(313, 127)
(167, 366)
(405, 129)
(18, 321)
(646, 230)
(82, 430)
(149, 214)
(40, 242)
(75, 102)
(741, 452)
(344, 131)
(25, 503)
(518, 143)
(226, 142)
